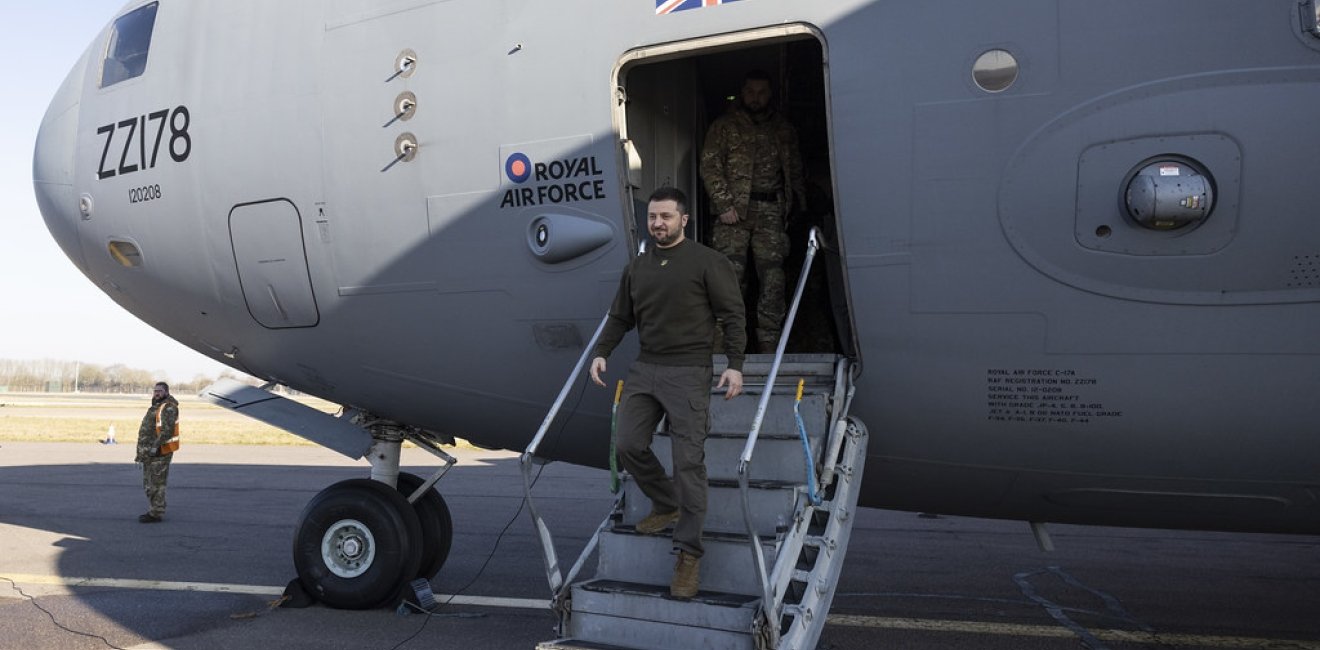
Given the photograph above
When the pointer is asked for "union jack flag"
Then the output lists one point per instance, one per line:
(670, 6)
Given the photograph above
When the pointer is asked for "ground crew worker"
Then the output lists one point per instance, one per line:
(753, 172)
(673, 294)
(157, 440)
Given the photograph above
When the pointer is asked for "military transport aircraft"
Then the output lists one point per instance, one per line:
(1068, 250)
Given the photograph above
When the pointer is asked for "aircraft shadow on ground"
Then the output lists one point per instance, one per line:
(234, 524)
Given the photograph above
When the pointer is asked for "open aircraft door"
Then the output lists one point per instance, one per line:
(667, 97)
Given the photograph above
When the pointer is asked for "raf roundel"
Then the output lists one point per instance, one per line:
(518, 167)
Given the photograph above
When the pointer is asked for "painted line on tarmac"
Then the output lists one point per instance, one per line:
(1122, 636)
(155, 585)
(255, 590)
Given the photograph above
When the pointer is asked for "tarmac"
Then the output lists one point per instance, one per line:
(77, 570)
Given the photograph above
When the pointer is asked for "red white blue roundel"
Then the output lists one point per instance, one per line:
(518, 167)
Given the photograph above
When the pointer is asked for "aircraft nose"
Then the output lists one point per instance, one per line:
(53, 161)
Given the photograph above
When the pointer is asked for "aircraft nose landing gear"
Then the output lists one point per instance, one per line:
(359, 543)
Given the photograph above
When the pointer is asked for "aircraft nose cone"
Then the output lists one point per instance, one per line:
(53, 163)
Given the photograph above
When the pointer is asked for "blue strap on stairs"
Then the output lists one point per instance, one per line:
(806, 447)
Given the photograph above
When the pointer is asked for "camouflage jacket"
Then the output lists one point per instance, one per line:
(148, 441)
(742, 156)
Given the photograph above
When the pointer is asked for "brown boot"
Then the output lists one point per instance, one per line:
(687, 575)
(656, 522)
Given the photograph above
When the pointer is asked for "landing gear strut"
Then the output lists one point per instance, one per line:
(437, 527)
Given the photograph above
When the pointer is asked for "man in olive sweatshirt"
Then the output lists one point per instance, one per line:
(673, 294)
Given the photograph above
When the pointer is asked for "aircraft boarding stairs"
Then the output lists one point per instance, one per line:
(775, 534)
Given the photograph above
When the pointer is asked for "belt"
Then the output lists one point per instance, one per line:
(764, 196)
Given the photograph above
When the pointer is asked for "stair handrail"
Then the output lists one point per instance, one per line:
(550, 416)
(813, 244)
(769, 605)
(552, 573)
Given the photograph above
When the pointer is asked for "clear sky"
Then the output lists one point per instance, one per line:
(48, 310)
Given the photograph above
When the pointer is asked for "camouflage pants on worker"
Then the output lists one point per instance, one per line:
(155, 471)
(762, 234)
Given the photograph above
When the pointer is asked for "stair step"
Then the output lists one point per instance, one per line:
(776, 458)
(772, 506)
(644, 616)
(735, 416)
(727, 566)
(815, 368)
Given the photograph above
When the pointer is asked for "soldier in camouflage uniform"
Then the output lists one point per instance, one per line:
(155, 464)
(753, 171)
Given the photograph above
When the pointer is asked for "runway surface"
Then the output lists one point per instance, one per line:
(78, 571)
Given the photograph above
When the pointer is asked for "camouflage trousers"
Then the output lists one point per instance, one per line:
(762, 234)
(155, 471)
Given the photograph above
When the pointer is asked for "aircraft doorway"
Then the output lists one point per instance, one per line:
(670, 95)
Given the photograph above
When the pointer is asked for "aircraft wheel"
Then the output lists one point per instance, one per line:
(357, 544)
(437, 526)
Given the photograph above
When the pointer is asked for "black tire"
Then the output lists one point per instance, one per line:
(372, 551)
(437, 526)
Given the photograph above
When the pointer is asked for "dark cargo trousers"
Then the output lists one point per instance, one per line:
(682, 393)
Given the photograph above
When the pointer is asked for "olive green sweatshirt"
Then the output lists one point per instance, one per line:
(673, 297)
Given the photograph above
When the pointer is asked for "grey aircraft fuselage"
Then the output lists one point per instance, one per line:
(1029, 349)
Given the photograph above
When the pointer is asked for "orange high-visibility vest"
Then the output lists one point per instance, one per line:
(171, 445)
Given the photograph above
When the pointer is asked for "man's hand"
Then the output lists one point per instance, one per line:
(729, 217)
(598, 367)
(731, 378)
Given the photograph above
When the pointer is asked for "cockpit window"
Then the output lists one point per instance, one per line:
(127, 55)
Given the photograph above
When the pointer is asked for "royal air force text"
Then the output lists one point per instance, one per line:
(562, 181)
